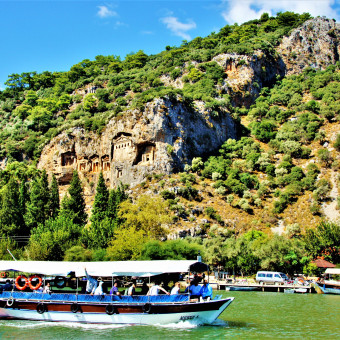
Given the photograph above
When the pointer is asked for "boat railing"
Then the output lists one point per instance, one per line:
(87, 298)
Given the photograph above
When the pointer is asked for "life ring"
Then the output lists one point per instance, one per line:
(60, 281)
(147, 308)
(75, 308)
(41, 308)
(17, 282)
(34, 286)
(110, 309)
(3, 275)
(10, 302)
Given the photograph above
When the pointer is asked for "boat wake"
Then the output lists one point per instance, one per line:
(179, 325)
(192, 324)
(36, 324)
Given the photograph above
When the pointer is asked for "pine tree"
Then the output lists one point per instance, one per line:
(11, 218)
(99, 210)
(115, 198)
(54, 198)
(23, 196)
(73, 205)
(38, 207)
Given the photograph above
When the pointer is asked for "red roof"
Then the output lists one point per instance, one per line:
(323, 263)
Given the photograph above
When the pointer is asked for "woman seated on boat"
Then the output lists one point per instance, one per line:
(154, 290)
(175, 289)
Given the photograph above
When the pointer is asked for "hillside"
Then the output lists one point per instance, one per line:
(233, 132)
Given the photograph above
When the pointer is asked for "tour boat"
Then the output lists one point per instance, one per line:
(104, 309)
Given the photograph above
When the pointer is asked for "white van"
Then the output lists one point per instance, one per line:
(271, 277)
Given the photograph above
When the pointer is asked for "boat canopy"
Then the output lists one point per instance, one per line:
(105, 268)
(334, 271)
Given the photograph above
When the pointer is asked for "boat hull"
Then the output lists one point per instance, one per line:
(145, 314)
(320, 289)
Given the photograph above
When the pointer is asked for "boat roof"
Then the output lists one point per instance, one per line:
(105, 268)
(332, 271)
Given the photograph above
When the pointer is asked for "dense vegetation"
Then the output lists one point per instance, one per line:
(280, 157)
(36, 107)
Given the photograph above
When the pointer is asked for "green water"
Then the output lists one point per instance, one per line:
(252, 315)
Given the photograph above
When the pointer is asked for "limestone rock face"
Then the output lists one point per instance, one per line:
(167, 134)
(246, 75)
(315, 44)
(161, 139)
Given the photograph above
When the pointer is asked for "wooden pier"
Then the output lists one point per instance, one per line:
(257, 287)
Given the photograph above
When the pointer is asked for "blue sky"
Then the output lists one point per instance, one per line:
(53, 35)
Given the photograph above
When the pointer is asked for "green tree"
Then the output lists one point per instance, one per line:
(73, 204)
(54, 198)
(135, 60)
(323, 241)
(23, 197)
(78, 254)
(40, 118)
(31, 98)
(147, 214)
(127, 244)
(100, 205)
(11, 219)
(170, 250)
(38, 206)
(49, 241)
(90, 102)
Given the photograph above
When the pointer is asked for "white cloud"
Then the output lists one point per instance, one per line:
(239, 11)
(178, 28)
(105, 12)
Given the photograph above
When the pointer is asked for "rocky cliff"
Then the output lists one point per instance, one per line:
(168, 134)
(315, 44)
(161, 139)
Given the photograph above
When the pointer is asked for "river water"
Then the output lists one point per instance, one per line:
(252, 315)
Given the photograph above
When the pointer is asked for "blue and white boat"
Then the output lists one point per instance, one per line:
(73, 306)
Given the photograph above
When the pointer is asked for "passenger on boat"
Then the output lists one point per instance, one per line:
(114, 290)
(99, 289)
(47, 288)
(206, 291)
(144, 289)
(7, 287)
(175, 289)
(194, 289)
(91, 284)
(132, 289)
(155, 289)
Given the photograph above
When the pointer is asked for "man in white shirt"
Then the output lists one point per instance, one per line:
(155, 289)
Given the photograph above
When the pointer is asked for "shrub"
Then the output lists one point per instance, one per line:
(337, 143)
